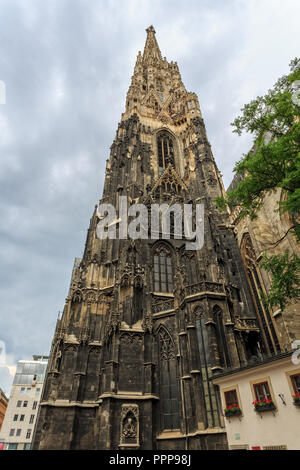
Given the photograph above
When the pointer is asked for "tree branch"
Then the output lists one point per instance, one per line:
(273, 245)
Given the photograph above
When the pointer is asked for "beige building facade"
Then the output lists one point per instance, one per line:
(272, 427)
(20, 418)
(270, 232)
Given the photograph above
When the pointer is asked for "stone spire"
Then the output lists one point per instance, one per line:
(156, 89)
(151, 49)
(138, 309)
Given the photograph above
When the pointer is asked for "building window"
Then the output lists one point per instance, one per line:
(31, 419)
(262, 391)
(163, 272)
(256, 286)
(34, 405)
(22, 417)
(168, 380)
(22, 390)
(19, 403)
(18, 432)
(211, 404)
(12, 446)
(295, 379)
(25, 403)
(231, 398)
(221, 337)
(12, 432)
(37, 392)
(27, 446)
(28, 434)
(165, 151)
(28, 390)
(16, 417)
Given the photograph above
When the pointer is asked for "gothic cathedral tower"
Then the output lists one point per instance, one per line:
(147, 323)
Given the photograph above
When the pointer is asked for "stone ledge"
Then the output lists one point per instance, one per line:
(179, 435)
(69, 404)
(164, 313)
(127, 397)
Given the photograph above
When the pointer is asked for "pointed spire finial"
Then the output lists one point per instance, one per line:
(150, 29)
(151, 47)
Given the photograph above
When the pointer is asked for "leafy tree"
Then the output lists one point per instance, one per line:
(273, 162)
(285, 271)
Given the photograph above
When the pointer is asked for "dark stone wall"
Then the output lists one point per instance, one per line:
(106, 387)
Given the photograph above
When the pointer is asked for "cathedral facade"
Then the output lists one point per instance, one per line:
(147, 322)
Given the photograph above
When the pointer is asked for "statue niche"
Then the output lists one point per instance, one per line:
(129, 426)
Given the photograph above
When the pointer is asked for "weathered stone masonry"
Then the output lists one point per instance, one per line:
(147, 323)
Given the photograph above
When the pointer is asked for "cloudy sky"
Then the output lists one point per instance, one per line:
(67, 66)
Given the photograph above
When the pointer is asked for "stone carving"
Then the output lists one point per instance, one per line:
(246, 324)
(166, 345)
(129, 428)
(161, 305)
(198, 311)
(249, 253)
(91, 296)
(204, 287)
(77, 297)
(131, 338)
(129, 434)
(211, 179)
(147, 323)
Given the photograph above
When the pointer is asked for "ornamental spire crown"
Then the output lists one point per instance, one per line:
(156, 89)
(151, 50)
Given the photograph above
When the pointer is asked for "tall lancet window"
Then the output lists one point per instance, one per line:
(211, 404)
(256, 285)
(165, 150)
(221, 337)
(168, 381)
(163, 270)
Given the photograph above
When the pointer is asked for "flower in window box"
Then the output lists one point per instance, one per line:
(266, 404)
(232, 410)
(296, 399)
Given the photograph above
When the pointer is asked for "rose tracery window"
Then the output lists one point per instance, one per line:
(163, 271)
(165, 150)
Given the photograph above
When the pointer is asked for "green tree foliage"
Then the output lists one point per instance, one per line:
(285, 271)
(273, 162)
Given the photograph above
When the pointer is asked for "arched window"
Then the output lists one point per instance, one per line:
(221, 337)
(163, 270)
(168, 381)
(165, 151)
(211, 406)
(254, 280)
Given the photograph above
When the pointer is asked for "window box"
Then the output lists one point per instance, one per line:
(232, 404)
(263, 401)
(296, 399)
(232, 411)
(264, 405)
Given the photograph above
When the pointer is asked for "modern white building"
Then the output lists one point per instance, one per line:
(273, 424)
(18, 426)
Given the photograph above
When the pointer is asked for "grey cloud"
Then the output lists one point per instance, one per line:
(67, 66)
